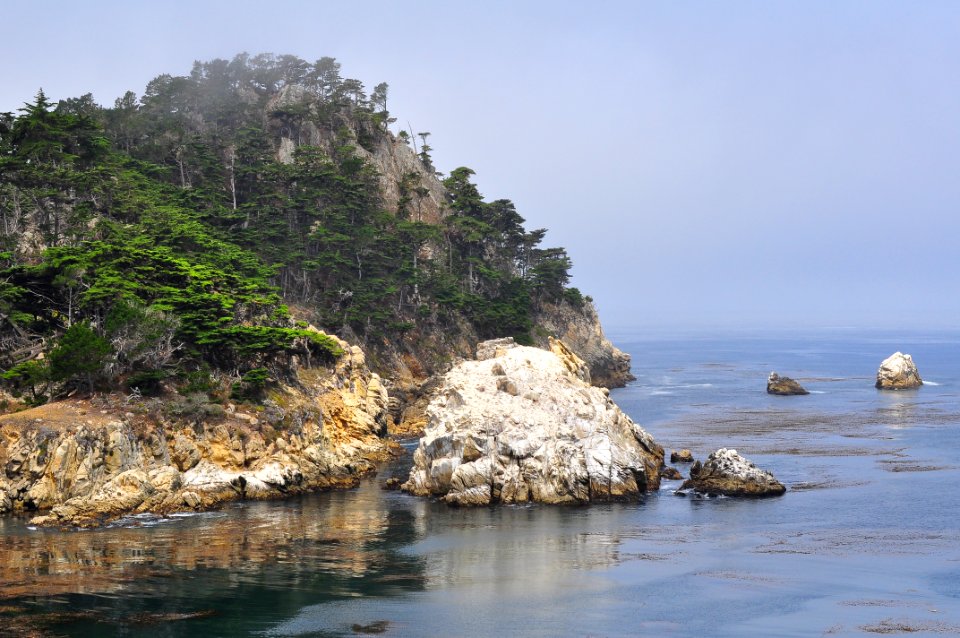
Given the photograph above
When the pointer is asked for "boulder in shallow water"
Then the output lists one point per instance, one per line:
(783, 386)
(726, 472)
(898, 372)
(523, 424)
(681, 456)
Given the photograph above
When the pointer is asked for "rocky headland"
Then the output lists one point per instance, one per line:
(523, 424)
(84, 462)
(898, 372)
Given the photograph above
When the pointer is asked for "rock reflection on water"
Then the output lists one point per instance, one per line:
(345, 533)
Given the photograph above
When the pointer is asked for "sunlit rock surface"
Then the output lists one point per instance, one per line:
(83, 463)
(726, 472)
(898, 372)
(523, 424)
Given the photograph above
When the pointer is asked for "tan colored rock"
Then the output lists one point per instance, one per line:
(784, 386)
(681, 456)
(898, 372)
(89, 465)
(580, 330)
(572, 445)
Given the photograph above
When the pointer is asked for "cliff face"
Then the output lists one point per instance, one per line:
(88, 461)
(398, 165)
(581, 331)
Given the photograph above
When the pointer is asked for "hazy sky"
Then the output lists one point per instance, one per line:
(704, 163)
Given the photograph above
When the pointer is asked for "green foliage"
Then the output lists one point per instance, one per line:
(29, 374)
(176, 240)
(251, 385)
(79, 355)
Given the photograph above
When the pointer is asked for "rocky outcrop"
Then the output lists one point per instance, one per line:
(783, 386)
(580, 329)
(898, 372)
(726, 472)
(398, 165)
(88, 462)
(681, 456)
(522, 424)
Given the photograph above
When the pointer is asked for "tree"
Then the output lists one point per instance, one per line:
(79, 355)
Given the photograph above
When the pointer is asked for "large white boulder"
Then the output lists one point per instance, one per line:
(522, 424)
(898, 372)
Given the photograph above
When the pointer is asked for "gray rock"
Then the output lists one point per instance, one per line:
(726, 472)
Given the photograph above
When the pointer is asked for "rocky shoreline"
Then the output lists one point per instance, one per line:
(516, 425)
(85, 462)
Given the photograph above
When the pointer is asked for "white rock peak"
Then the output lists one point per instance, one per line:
(522, 424)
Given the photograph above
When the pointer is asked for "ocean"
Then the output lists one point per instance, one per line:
(865, 541)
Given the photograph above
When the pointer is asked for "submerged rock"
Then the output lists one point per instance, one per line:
(898, 372)
(726, 472)
(522, 424)
(783, 386)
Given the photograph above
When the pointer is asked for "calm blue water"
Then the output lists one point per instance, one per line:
(866, 540)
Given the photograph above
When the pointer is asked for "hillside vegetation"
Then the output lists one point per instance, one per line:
(186, 237)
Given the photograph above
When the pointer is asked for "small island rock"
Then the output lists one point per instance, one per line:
(726, 472)
(546, 436)
(783, 386)
(898, 372)
(683, 456)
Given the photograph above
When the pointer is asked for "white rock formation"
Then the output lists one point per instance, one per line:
(898, 372)
(726, 472)
(522, 424)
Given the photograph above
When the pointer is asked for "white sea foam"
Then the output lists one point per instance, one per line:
(929, 382)
(816, 392)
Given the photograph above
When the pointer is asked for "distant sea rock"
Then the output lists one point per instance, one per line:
(522, 424)
(898, 372)
(783, 386)
(726, 472)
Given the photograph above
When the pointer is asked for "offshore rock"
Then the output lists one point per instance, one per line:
(83, 463)
(681, 456)
(898, 372)
(783, 386)
(726, 472)
(522, 424)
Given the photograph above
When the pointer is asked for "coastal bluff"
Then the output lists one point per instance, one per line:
(523, 424)
(85, 462)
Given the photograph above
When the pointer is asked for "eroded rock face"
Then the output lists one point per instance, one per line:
(726, 472)
(580, 330)
(898, 372)
(88, 465)
(783, 386)
(523, 424)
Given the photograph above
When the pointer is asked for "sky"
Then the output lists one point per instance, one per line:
(705, 164)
